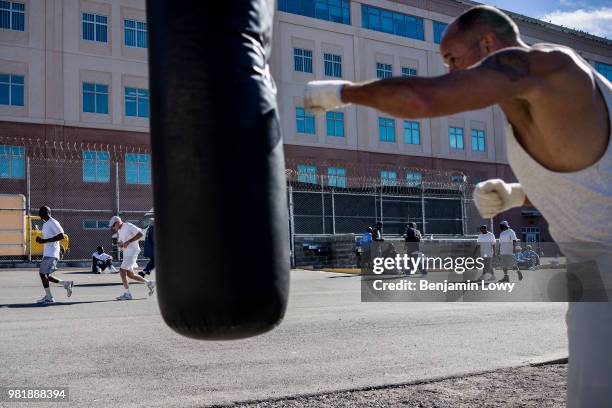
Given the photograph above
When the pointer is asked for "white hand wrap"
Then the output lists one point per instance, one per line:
(495, 196)
(321, 96)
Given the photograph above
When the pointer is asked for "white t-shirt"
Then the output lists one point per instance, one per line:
(50, 229)
(486, 243)
(127, 232)
(506, 246)
(102, 257)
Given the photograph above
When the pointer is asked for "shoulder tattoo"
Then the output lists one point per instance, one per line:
(513, 64)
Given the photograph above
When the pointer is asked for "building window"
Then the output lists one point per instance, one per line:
(386, 130)
(384, 70)
(95, 225)
(333, 65)
(335, 124)
(458, 178)
(302, 60)
(12, 90)
(96, 167)
(388, 178)
(137, 102)
(414, 179)
(530, 235)
(478, 179)
(604, 69)
(137, 168)
(307, 174)
(408, 72)
(304, 121)
(412, 132)
(12, 15)
(456, 138)
(391, 22)
(337, 11)
(95, 98)
(12, 162)
(95, 27)
(336, 177)
(478, 140)
(135, 33)
(438, 29)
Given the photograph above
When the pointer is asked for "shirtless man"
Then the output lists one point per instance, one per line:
(559, 111)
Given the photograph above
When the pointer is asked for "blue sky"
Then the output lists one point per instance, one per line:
(593, 16)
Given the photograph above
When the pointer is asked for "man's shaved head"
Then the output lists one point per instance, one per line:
(482, 19)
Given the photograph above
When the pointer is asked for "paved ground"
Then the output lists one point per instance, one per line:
(121, 353)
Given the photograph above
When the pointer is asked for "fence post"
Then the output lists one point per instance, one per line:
(117, 187)
(322, 203)
(423, 208)
(291, 227)
(27, 218)
(463, 215)
(381, 205)
(333, 213)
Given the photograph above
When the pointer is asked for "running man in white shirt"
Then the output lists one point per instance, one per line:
(486, 244)
(52, 234)
(507, 247)
(127, 239)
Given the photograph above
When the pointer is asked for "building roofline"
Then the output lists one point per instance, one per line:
(545, 24)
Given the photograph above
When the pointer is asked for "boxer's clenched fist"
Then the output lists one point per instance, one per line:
(495, 196)
(321, 96)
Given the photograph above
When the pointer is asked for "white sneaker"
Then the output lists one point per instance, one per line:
(46, 300)
(68, 286)
(151, 286)
(125, 296)
(488, 277)
(98, 269)
(113, 269)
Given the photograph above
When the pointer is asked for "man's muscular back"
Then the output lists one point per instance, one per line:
(561, 118)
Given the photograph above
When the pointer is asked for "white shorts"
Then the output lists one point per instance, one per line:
(129, 262)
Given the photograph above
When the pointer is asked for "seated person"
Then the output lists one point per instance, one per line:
(528, 258)
(100, 261)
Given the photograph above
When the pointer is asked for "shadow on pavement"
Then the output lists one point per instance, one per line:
(34, 305)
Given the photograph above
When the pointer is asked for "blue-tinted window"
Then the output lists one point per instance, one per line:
(12, 90)
(438, 29)
(414, 179)
(332, 65)
(302, 60)
(458, 178)
(336, 177)
(391, 22)
(304, 121)
(95, 98)
(388, 178)
(95, 27)
(12, 15)
(408, 72)
(604, 69)
(386, 130)
(135, 33)
(12, 162)
(384, 70)
(137, 102)
(335, 124)
(137, 168)
(456, 137)
(307, 174)
(337, 11)
(412, 132)
(96, 166)
(478, 140)
(95, 225)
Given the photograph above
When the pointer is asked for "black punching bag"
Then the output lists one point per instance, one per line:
(222, 246)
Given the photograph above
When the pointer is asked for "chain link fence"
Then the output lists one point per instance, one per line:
(83, 184)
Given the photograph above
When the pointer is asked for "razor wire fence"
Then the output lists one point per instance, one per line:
(84, 184)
